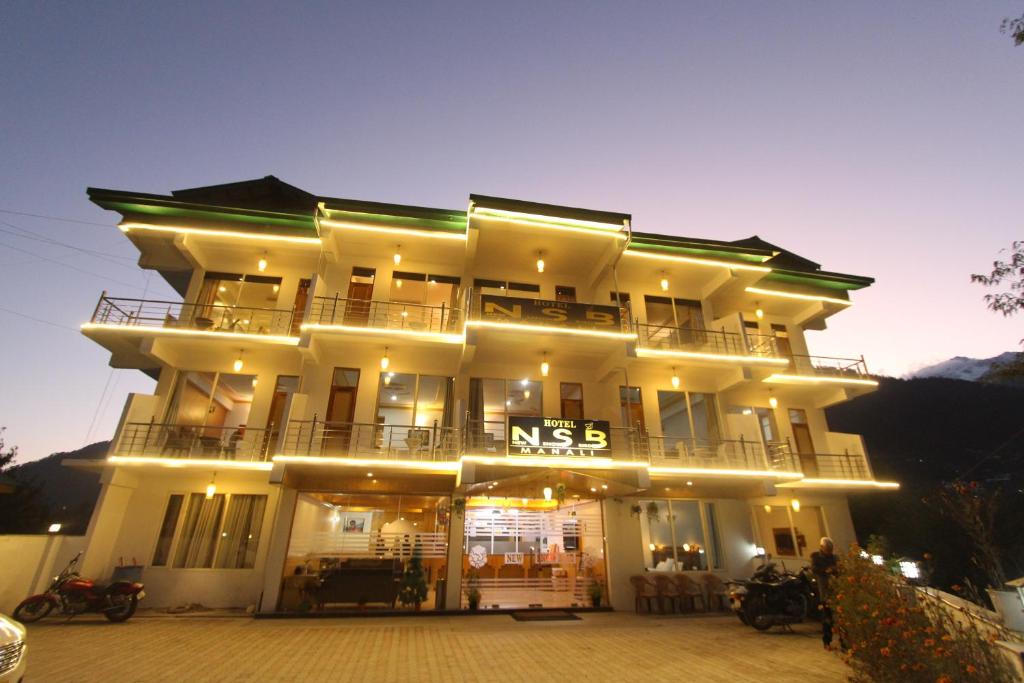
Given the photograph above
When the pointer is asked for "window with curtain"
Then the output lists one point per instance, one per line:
(491, 401)
(240, 537)
(198, 537)
(167, 527)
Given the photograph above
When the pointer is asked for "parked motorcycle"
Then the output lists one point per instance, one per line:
(72, 594)
(772, 598)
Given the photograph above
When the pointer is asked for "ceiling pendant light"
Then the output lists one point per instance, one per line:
(211, 488)
(759, 312)
(540, 261)
(772, 401)
(795, 503)
(664, 282)
(238, 363)
(547, 493)
(261, 265)
(384, 360)
(675, 379)
(398, 255)
(545, 367)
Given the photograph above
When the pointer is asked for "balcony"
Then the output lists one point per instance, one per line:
(437, 323)
(181, 441)
(316, 438)
(711, 345)
(836, 466)
(178, 316)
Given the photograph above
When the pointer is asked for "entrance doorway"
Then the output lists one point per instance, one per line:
(532, 553)
(804, 444)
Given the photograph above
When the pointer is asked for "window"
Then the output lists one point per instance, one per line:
(207, 533)
(503, 288)
(572, 400)
(207, 416)
(232, 289)
(785, 532)
(689, 416)
(491, 401)
(563, 293)
(240, 537)
(198, 537)
(674, 534)
(170, 523)
(620, 298)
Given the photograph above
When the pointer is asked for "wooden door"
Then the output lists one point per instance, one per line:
(299, 309)
(357, 308)
(802, 441)
(341, 409)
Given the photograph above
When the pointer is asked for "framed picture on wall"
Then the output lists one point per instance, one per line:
(354, 525)
(784, 545)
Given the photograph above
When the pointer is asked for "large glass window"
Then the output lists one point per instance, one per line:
(240, 303)
(207, 533)
(676, 533)
(414, 412)
(689, 423)
(207, 417)
(789, 533)
(357, 551)
(492, 401)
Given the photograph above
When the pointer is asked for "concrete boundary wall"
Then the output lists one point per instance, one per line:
(29, 562)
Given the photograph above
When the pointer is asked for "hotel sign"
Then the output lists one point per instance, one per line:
(556, 436)
(510, 309)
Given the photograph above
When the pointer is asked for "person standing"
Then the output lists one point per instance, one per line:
(824, 567)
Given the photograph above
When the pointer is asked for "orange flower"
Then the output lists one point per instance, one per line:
(971, 669)
(929, 642)
(885, 651)
(943, 679)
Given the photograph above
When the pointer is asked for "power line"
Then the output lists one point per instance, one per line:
(38, 320)
(55, 218)
(68, 265)
(106, 256)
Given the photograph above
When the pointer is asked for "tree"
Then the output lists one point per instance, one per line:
(21, 510)
(1015, 27)
(1009, 274)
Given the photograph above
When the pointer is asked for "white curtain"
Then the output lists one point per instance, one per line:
(199, 534)
(241, 534)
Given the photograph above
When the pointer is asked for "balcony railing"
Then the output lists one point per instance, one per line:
(389, 315)
(671, 451)
(718, 342)
(824, 465)
(180, 315)
(854, 368)
(157, 439)
(383, 441)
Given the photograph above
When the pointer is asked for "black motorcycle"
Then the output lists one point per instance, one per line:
(772, 598)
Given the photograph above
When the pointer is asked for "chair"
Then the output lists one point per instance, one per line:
(643, 590)
(716, 591)
(689, 590)
(667, 589)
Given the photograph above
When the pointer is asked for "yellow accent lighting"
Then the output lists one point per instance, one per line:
(796, 295)
(782, 378)
(725, 472)
(582, 462)
(540, 218)
(699, 261)
(412, 232)
(860, 483)
(553, 226)
(665, 353)
(185, 463)
(426, 465)
(433, 336)
(554, 330)
(128, 227)
(134, 329)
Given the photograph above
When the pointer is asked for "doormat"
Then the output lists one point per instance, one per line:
(555, 615)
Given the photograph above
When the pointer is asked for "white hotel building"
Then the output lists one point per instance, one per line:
(348, 389)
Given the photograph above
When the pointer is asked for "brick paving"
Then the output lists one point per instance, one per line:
(493, 648)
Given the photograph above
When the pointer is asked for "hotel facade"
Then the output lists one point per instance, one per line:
(373, 406)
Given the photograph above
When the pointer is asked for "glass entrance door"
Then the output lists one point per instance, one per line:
(527, 552)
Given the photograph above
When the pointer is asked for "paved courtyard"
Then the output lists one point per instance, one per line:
(493, 648)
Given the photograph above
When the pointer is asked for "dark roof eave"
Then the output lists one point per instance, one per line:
(553, 210)
(329, 204)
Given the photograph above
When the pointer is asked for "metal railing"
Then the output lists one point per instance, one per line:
(190, 316)
(669, 338)
(195, 441)
(827, 366)
(390, 315)
(824, 465)
(474, 303)
(673, 451)
(360, 440)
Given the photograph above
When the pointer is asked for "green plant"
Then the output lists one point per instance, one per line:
(653, 513)
(414, 581)
(560, 493)
(472, 589)
(458, 506)
(891, 636)
(596, 592)
(636, 509)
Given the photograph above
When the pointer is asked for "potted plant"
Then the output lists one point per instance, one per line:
(596, 590)
(414, 582)
(635, 510)
(652, 511)
(459, 506)
(473, 590)
(560, 494)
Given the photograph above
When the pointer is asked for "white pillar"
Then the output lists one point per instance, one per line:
(277, 550)
(106, 522)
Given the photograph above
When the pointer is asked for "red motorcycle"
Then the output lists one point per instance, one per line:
(71, 595)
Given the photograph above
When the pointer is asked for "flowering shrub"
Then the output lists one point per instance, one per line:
(889, 636)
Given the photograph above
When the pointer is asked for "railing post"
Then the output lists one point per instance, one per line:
(334, 308)
(149, 430)
(312, 430)
(96, 310)
(433, 443)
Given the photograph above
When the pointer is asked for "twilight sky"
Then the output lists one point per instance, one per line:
(877, 138)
